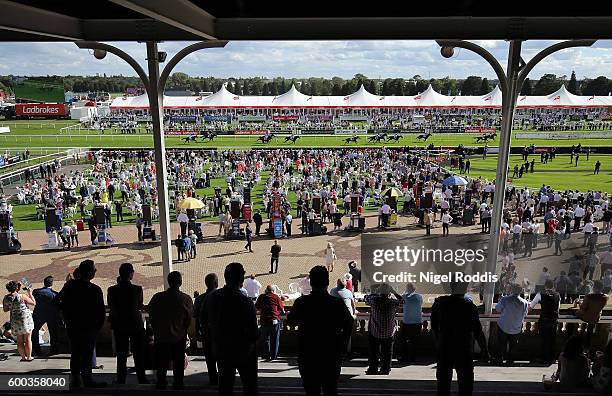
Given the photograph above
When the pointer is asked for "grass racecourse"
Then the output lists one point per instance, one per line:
(49, 134)
(45, 137)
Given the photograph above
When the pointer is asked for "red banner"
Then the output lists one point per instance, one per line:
(250, 132)
(285, 118)
(45, 110)
(480, 130)
(180, 133)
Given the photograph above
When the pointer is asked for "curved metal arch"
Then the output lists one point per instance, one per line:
(121, 54)
(182, 54)
(499, 70)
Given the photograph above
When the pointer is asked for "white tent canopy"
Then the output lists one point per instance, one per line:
(293, 98)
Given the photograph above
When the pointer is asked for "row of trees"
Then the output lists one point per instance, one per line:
(472, 85)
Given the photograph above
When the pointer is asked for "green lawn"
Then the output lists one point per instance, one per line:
(558, 174)
(43, 137)
(51, 137)
(35, 158)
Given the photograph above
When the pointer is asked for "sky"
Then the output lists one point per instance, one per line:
(299, 59)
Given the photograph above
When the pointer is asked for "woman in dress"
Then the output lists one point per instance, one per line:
(330, 257)
(21, 318)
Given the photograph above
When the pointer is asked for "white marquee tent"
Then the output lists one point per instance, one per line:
(293, 98)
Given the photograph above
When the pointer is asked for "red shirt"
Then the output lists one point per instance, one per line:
(270, 307)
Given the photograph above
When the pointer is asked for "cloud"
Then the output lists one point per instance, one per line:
(307, 58)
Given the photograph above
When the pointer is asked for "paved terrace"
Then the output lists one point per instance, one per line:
(299, 254)
(282, 378)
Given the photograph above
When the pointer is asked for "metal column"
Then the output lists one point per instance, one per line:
(161, 173)
(508, 105)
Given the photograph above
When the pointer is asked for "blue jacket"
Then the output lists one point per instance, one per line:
(45, 308)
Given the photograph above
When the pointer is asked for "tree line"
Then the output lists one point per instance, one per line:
(472, 85)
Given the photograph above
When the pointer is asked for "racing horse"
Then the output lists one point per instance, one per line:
(190, 138)
(424, 136)
(209, 135)
(486, 137)
(292, 138)
(379, 137)
(395, 137)
(265, 139)
(352, 139)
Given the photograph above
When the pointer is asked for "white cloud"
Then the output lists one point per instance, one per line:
(307, 58)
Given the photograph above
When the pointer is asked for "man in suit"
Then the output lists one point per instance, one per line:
(46, 311)
(203, 332)
(324, 326)
(82, 305)
(455, 325)
(170, 315)
(125, 303)
(232, 320)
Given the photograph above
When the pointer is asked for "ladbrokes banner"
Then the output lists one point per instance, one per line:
(40, 110)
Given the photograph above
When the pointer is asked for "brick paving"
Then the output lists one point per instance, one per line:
(299, 254)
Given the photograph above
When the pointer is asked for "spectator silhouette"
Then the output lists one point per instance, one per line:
(381, 328)
(454, 324)
(170, 314)
(125, 303)
(270, 307)
(82, 306)
(46, 311)
(203, 332)
(324, 327)
(230, 315)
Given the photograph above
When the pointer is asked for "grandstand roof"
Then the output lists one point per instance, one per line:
(361, 98)
(188, 20)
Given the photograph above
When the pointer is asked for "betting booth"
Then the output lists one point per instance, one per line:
(357, 221)
(52, 226)
(236, 231)
(148, 232)
(103, 238)
(9, 242)
(194, 225)
(276, 219)
(316, 226)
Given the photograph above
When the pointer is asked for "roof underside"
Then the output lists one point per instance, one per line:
(162, 20)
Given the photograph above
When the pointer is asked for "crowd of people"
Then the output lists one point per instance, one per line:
(324, 320)
(419, 119)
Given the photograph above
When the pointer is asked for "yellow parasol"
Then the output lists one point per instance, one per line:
(392, 192)
(191, 203)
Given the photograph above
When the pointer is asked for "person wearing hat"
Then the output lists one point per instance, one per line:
(356, 275)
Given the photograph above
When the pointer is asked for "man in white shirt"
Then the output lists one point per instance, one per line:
(446, 220)
(252, 286)
(588, 230)
(288, 221)
(66, 230)
(347, 203)
(183, 219)
(542, 278)
(385, 211)
(578, 214)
